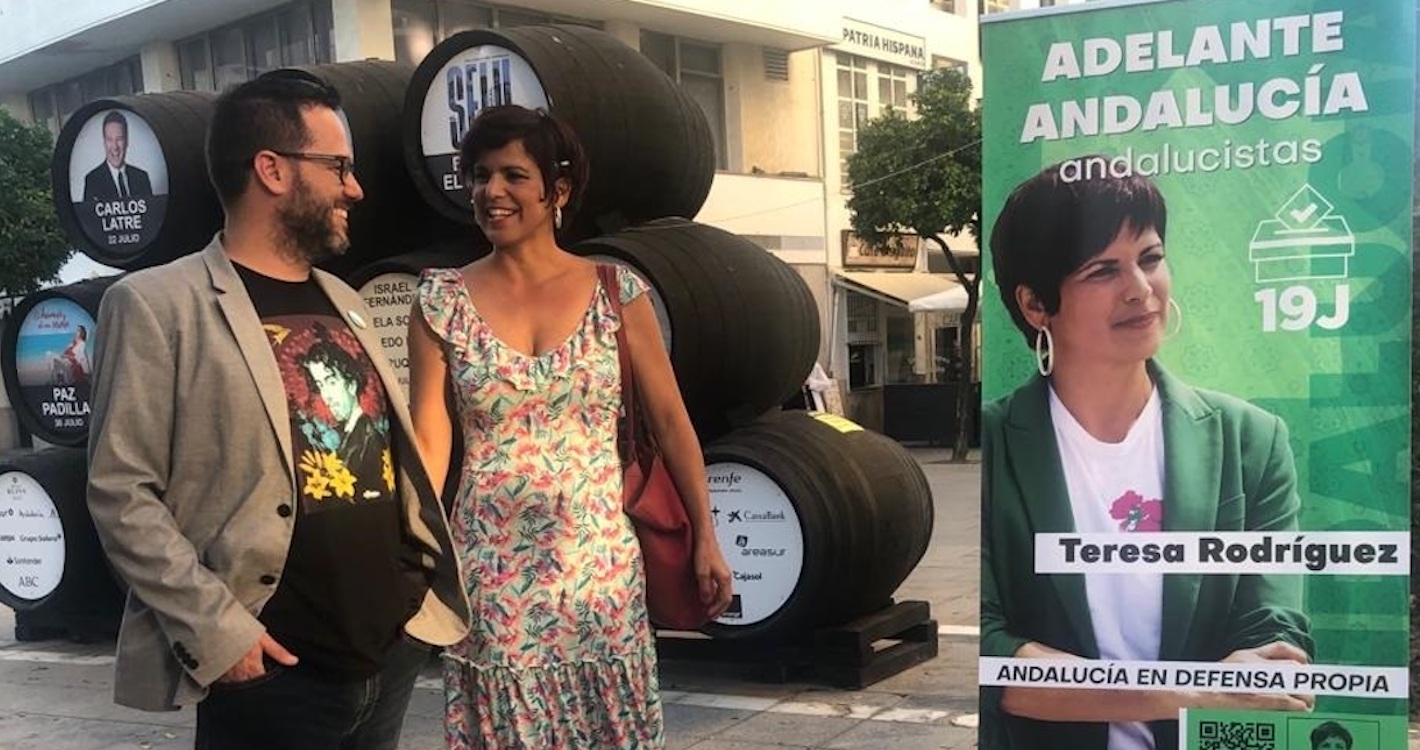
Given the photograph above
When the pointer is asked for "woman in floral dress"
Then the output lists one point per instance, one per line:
(561, 654)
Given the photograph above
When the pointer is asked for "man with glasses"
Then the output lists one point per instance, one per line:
(285, 584)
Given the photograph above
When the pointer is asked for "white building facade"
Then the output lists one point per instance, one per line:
(785, 85)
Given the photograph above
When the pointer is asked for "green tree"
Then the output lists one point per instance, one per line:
(922, 174)
(32, 244)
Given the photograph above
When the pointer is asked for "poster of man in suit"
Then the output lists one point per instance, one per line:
(118, 180)
(115, 178)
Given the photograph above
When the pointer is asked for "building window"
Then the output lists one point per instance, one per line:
(421, 24)
(863, 365)
(297, 34)
(992, 6)
(950, 6)
(52, 105)
(902, 348)
(853, 107)
(864, 340)
(696, 67)
(892, 86)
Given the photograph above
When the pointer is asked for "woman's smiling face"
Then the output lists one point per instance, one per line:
(509, 201)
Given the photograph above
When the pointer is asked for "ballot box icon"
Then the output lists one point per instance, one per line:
(1304, 240)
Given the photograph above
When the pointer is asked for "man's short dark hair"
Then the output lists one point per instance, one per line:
(263, 113)
(116, 116)
(1050, 226)
(549, 141)
(1329, 730)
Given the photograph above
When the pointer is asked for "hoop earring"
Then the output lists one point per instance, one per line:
(1044, 355)
(1175, 313)
(557, 217)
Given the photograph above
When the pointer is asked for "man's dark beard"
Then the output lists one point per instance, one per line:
(309, 227)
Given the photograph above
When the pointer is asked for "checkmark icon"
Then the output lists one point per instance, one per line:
(1301, 216)
(1305, 210)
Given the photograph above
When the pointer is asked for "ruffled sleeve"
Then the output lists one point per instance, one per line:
(440, 295)
(631, 285)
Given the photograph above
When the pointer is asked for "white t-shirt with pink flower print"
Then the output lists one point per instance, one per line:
(1119, 488)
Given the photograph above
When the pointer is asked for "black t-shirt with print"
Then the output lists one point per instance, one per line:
(348, 585)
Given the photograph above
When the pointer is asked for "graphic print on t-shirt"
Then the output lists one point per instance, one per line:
(1134, 513)
(338, 413)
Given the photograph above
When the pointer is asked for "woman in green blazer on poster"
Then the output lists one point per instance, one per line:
(1106, 441)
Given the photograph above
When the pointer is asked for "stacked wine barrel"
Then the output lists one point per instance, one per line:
(820, 520)
(52, 569)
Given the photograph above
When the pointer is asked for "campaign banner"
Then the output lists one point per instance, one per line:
(1197, 220)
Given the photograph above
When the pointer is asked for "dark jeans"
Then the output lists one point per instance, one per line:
(292, 708)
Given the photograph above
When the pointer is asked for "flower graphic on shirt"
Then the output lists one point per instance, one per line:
(326, 475)
(1137, 514)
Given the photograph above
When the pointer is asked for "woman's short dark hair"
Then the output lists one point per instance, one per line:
(1328, 730)
(263, 113)
(1050, 226)
(551, 143)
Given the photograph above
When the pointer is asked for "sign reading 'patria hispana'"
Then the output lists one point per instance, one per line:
(880, 43)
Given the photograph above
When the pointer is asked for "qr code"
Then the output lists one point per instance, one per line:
(1236, 735)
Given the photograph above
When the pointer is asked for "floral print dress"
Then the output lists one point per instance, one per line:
(561, 654)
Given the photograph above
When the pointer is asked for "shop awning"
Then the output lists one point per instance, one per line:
(918, 292)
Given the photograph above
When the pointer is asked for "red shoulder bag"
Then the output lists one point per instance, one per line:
(649, 496)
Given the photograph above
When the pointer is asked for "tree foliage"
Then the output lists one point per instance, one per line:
(32, 244)
(922, 174)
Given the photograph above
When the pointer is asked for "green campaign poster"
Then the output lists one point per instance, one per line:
(1196, 384)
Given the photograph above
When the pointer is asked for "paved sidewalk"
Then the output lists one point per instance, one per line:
(57, 695)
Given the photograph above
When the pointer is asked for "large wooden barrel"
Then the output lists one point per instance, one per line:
(391, 215)
(45, 357)
(741, 325)
(170, 208)
(648, 143)
(52, 569)
(388, 285)
(819, 520)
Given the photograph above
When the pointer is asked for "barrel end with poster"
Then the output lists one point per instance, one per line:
(53, 572)
(388, 287)
(649, 145)
(1197, 332)
(821, 522)
(45, 359)
(130, 181)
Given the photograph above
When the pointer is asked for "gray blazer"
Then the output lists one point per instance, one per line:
(190, 478)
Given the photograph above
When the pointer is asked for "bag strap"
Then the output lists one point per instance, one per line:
(627, 437)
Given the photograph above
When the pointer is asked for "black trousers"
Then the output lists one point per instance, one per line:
(293, 708)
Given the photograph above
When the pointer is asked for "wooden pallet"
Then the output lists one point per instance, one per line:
(853, 655)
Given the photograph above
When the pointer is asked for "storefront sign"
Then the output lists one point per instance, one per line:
(897, 251)
(884, 44)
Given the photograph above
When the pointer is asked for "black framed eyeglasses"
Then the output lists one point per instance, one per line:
(344, 165)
